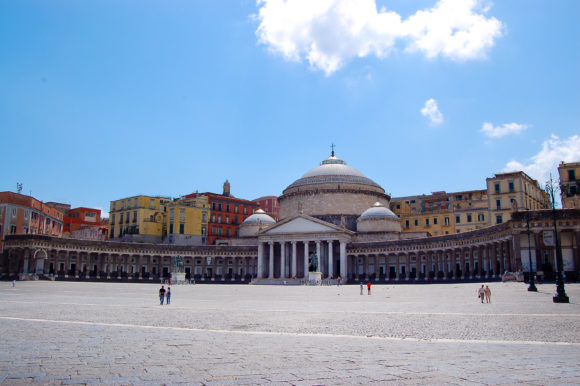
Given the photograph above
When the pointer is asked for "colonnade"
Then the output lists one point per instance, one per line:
(290, 259)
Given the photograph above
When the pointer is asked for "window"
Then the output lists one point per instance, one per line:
(235, 209)
(181, 228)
(213, 206)
(213, 218)
(135, 203)
(571, 175)
(406, 223)
(26, 214)
(203, 231)
(245, 210)
(426, 222)
(171, 214)
(152, 203)
(12, 229)
(219, 218)
(129, 204)
(434, 220)
(511, 186)
(171, 228)
(13, 212)
(114, 205)
(416, 222)
(122, 205)
(220, 206)
(135, 216)
(446, 221)
(481, 217)
(457, 219)
(398, 206)
(498, 219)
(227, 219)
(214, 230)
(121, 218)
(227, 231)
(227, 207)
(204, 217)
(182, 214)
(497, 189)
(469, 218)
(220, 231)
(498, 204)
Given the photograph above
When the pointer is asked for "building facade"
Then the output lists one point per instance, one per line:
(227, 213)
(21, 214)
(187, 221)
(138, 219)
(270, 205)
(514, 191)
(570, 184)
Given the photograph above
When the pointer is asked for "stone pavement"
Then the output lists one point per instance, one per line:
(81, 333)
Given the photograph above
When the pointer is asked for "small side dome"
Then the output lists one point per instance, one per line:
(259, 217)
(378, 210)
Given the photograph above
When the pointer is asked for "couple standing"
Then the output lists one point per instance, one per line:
(163, 293)
(484, 292)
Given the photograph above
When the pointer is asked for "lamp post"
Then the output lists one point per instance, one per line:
(532, 286)
(560, 296)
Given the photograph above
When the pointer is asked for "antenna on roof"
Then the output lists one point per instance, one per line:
(19, 187)
(332, 153)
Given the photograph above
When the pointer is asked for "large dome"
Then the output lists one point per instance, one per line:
(331, 170)
(333, 192)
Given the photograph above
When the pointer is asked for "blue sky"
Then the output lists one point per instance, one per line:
(101, 100)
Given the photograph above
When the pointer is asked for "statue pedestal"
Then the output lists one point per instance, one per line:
(177, 277)
(314, 278)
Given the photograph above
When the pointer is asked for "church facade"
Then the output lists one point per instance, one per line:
(333, 212)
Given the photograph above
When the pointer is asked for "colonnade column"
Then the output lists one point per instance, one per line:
(343, 272)
(480, 261)
(260, 261)
(501, 258)
(428, 264)
(294, 274)
(271, 261)
(282, 260)
(462, 259)
(330, 260)
(306, 252)
(398, 276)
(318, 254)
(454, 262)
(471, 265)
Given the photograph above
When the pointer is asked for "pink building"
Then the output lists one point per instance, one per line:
(270, 205)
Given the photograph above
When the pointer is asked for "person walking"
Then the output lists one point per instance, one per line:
(361, 287)
(369, 287)
(481, 293)
(161, 295)
(487, 294)
(13, 283)
(338, 280)
(168, 296)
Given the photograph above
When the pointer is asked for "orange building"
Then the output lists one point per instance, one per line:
(84, 223)
(226, 214)
(21, 214)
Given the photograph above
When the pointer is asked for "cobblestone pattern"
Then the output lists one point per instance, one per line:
(80, 333)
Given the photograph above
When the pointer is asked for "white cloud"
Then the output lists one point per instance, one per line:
(331, 32)
(431, 110)
(501, 131)
(547, 159)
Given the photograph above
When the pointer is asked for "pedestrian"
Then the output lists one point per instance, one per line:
(168, 295)
(338, 280)
(161, 294)
(481, 293)
(361, 287)
(369, 287)
(13, 283)
(487, 294)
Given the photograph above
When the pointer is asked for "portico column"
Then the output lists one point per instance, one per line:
(462, 258)
(271, 261)
(428, 265)
(318, 254)
(471, 265)
(408, 268)
(501, 258)
(480, 261)
(398, 275)
(306, 253)
(282, 259)
(293, 260)
(260, 260)
(454, 262)
(343, 272)
(330, 260)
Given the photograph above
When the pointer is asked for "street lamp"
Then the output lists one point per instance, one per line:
(560, 296)
(532, 286)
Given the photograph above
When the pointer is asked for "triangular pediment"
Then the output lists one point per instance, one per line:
(302, 224)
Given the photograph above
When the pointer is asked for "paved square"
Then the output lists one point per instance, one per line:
(80, 333)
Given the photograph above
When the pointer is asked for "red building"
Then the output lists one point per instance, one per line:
(84, 223)
(226, 213)
(270, 205)
(21, 214)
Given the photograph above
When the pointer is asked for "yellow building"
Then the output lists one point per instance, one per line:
(514, 191)
(186, 221)
(138, 219)
(442, 213)
(570, 184)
